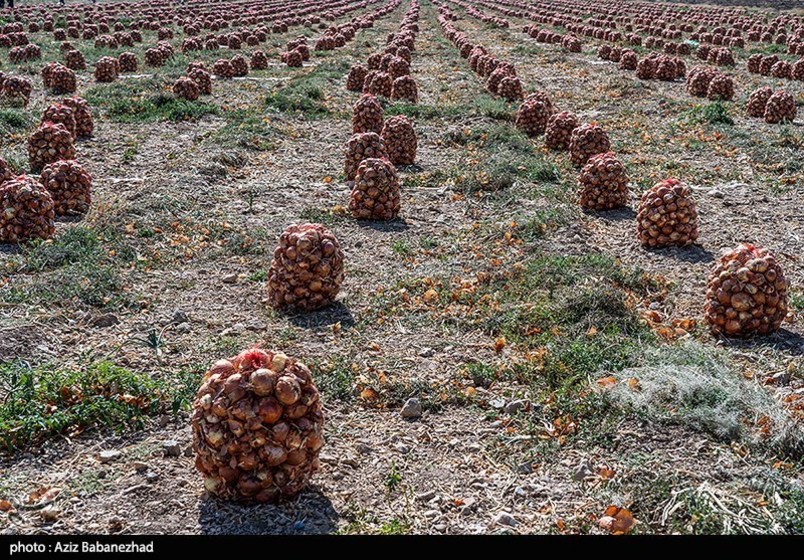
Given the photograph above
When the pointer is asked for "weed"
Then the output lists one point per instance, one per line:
(154, 341)
(336, 379)
(320, 216)
(77, 244)
(716, 112)
(304, 94)
(14, 120)
(125, 102)
(248, 130)
(428, 243)
(481, 374)
(76, 266)
(393, 479)
(394, 527)
(46, 401)
(402, 248)
(797, 301)
(129, 154)
(698, 388)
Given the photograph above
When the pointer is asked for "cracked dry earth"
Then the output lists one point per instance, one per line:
(461, 468)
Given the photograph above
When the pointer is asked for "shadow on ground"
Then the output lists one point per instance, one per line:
(311, 513)
(335, 313)
(783, 340)
(689, 253)
(625, 213)
(397, 225)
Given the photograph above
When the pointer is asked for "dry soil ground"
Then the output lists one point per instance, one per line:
(493, 299)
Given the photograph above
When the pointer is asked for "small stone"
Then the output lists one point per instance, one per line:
(151, 476)
(328, 459)
(183, 328)
(139, 466)
(109, 456)
(505, 518)
(171, 448)
(525, 468)
(782, 378)
(432, 513)
(363, 448)
(714, 193)
(426, 352)
(516, 406)
(115, 525)
(582, 471)
(402, 448)
(338, 475)
(440, 527)
(426, 496)
(189, 451)
(229, 278)
(105, 321)
(412, 409)
(180, 316)
(497, 403)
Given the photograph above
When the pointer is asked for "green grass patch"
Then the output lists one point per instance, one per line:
(87, 285)
(247, 130)
(304, 94)
(486, 106)
(336, 379)
(497, 157)
(77, 267)
(320, 216)
(578, 311)
(46, 401)
(394, 527)
(402, 248)
(537, 224)
(797, 301)
(133, 101)
(713, 113)
(75, 245)
(14, 120)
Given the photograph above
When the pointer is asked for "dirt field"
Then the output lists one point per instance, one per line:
(520, 322)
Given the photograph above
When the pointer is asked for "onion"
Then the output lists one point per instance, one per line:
(288, 390)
